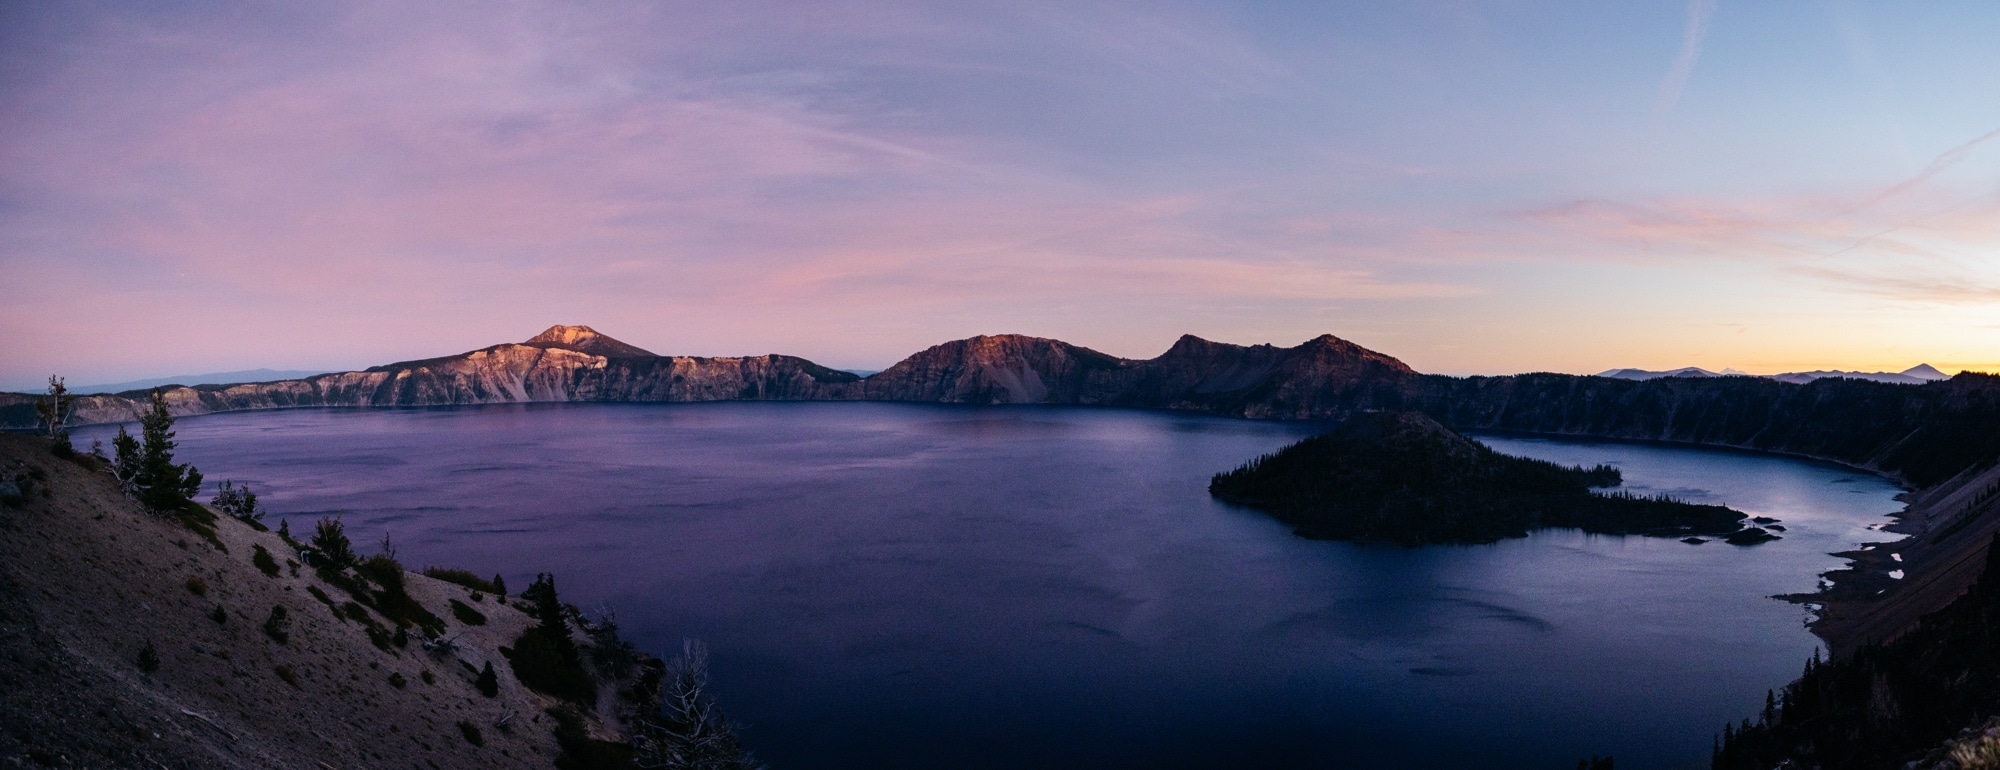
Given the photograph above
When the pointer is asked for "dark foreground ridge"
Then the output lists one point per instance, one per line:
(1926, 700)
(1402, 477)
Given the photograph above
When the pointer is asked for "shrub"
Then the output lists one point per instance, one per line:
(611, 653)
(489, 682)
(461, 577)
(471, 733)
(220, 615)
(330, 543)
(238, 502)
(428, 677)
(326, 600)
(466, 614)
(379, 636)
(582, 752)
(279, 625)
(355, 611)
(197, 586)
(149, 658)
(396, 680)
(264, 561)
(286, 673)
(539, 663)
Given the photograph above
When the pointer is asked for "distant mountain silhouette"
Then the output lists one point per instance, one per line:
(1642, 374)
(211, 378)
(1915, 375)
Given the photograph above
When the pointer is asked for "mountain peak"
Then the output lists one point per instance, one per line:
(584, 339)
(1925, 372)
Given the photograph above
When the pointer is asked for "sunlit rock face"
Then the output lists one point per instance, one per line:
(1003, 369)
(1326, 377)
(584, 339)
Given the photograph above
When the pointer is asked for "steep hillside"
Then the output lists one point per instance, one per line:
(90, 582)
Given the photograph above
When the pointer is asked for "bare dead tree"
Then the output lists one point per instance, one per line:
(690, 732)
(54, 410)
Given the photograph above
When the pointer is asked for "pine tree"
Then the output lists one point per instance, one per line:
(149, 658)
(489, 682)
(126, 467)
(553, 618)
(330, 541)
(163, 485)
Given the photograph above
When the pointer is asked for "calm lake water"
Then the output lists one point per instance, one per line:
(907, 586)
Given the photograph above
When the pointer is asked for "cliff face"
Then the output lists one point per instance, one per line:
(1922, 433)
(1325, 377)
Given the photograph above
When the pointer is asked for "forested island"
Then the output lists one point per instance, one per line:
(1402, 477)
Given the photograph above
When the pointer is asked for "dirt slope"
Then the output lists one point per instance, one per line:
(88, 578)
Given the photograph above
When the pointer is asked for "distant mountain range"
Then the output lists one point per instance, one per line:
(1915, 375)
(211, 378)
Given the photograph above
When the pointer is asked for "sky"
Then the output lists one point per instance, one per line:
(1472, 187)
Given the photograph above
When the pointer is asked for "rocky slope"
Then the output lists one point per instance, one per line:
(89, 579)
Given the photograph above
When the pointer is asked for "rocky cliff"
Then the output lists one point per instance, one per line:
(1326, 377)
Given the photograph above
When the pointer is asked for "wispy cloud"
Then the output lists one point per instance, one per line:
(1699, 14)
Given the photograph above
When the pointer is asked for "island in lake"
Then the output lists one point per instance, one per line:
(1403, 477)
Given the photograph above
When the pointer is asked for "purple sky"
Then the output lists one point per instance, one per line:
(1472, 187)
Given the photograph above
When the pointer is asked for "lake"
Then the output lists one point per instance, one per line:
(920, 586)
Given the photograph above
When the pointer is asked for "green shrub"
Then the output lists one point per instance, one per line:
(539, 663)
(279, 625)
(582, 752)
(220, 615)
(197, 586)
(149, 658)
(263, 560)
(326, 600)
(396, 680)
(466, 614)
(330, 544)
(488, 682)
(471, 733)
(238, 502)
